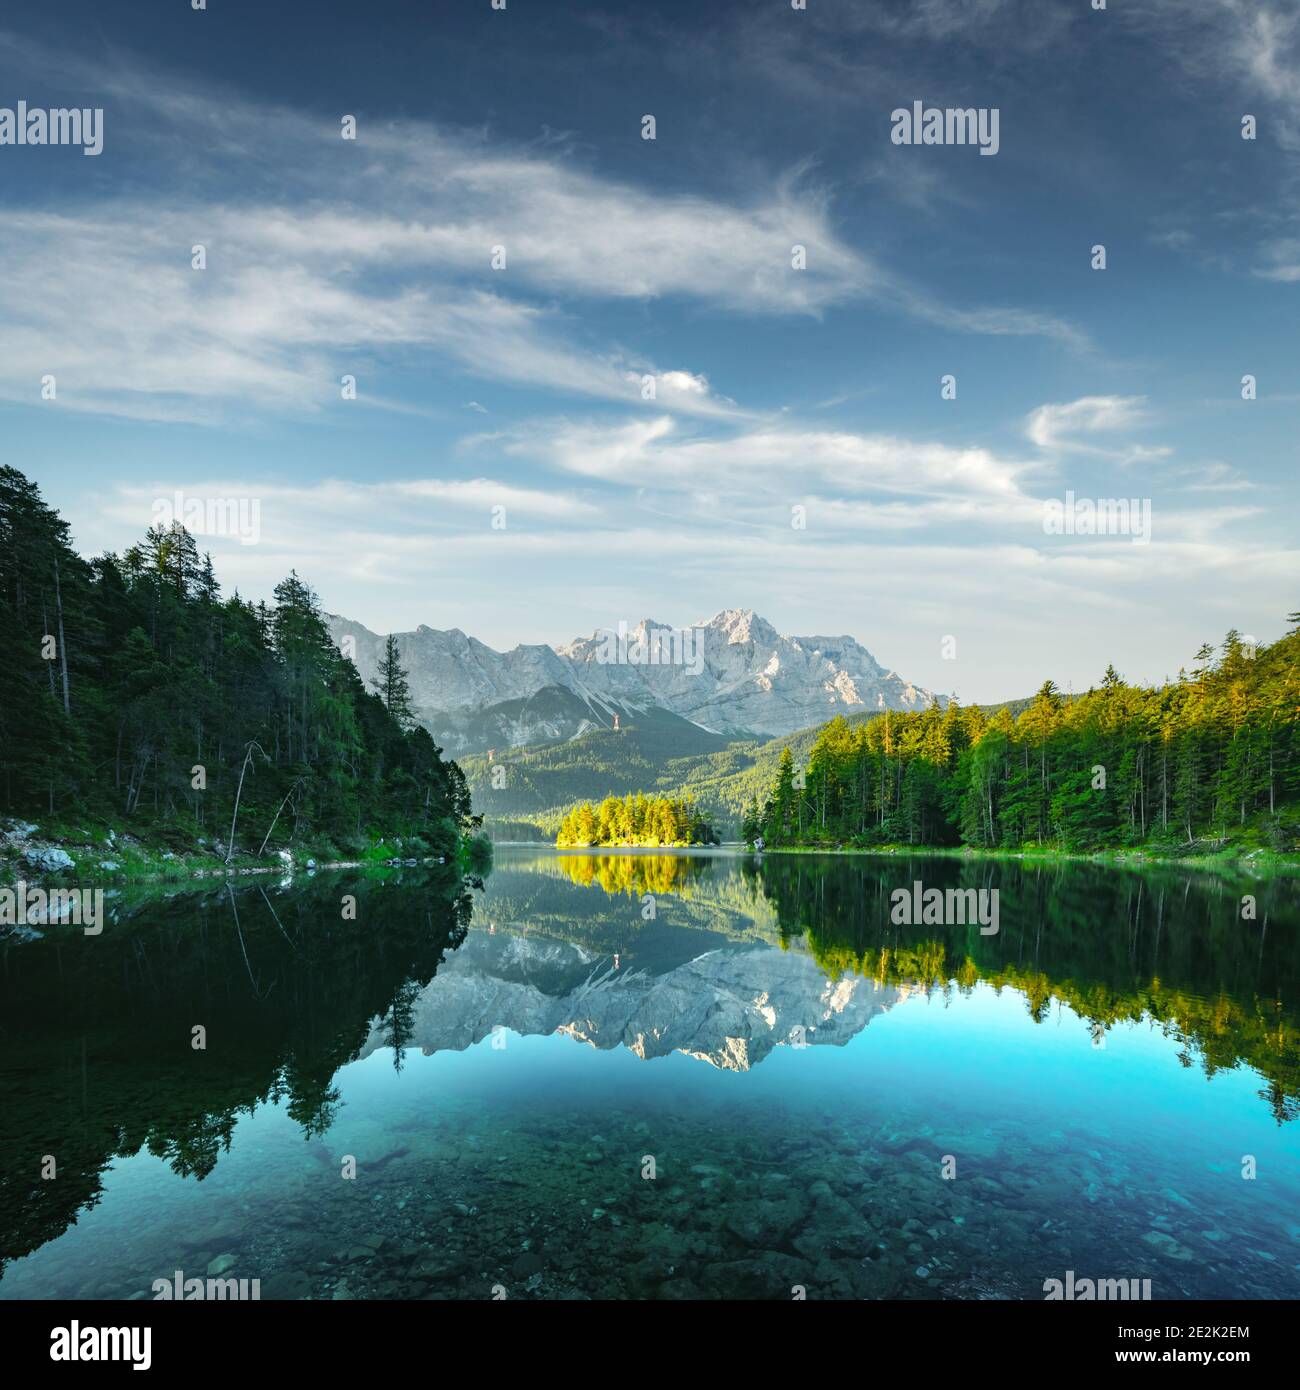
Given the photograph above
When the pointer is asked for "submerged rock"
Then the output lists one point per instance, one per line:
(1165, 1244)
(288, 1284)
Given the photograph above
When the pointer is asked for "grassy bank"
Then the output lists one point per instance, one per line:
(1255, 858)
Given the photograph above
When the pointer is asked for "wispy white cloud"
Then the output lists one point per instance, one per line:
(306, 280)
(656, 451)
(109, 304)
(1255, 41)
(1208, 477)
(1060, 426)
(1280, 261)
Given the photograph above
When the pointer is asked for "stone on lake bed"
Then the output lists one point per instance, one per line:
(287, 1285)
(221, 1264)
(1168, 1246)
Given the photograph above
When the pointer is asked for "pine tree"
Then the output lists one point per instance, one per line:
(393, 686)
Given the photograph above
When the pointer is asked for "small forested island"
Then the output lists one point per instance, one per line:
(152, 722)
(635, 821)
(1209, 761)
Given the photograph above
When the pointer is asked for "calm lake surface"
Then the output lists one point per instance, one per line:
(659, 1076)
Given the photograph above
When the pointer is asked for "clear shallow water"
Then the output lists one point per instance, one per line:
(1094, 1074)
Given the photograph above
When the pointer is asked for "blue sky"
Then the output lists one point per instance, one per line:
(628, 259)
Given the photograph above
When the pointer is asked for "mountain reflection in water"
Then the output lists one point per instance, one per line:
(1114, 945)
(1045, 1073)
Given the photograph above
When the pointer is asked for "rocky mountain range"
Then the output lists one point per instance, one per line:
(732, 675)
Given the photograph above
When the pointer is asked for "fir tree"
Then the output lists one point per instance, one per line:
(392, 684)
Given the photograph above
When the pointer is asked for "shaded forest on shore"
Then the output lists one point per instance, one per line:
(132, 692)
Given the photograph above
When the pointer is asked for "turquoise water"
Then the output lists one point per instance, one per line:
(760, 1090)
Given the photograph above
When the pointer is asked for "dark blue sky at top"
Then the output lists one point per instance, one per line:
(1120, 127)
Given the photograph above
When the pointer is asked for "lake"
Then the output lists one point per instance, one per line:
(670, 1075)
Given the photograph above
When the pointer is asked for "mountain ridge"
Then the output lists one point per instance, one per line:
(733, 676)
